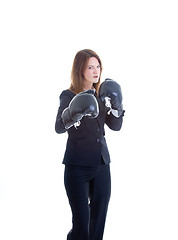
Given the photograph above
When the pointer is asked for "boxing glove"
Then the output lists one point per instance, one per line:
(110, 93)
(83, 104)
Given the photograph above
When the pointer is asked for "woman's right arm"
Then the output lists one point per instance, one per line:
(64, 103)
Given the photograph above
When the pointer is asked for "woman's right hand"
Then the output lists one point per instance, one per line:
(83, 104)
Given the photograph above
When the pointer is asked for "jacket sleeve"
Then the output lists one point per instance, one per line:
(113, 122)
(64, 103)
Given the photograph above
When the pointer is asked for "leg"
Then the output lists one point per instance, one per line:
(100, 190)
(77, 192)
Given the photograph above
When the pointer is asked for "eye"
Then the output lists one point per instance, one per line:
(90, 67)
(98, 66)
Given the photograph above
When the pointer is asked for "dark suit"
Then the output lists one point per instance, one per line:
(87, 172)
(87, 143)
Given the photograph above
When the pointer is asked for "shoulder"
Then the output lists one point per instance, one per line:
(67, 93)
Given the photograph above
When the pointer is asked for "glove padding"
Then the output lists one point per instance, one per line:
(83, 104)
(110, 93)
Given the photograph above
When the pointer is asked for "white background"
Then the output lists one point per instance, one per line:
(137, 42)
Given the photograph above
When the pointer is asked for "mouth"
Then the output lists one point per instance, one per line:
(95, 76)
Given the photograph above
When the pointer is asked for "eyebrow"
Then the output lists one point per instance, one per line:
(93, 65)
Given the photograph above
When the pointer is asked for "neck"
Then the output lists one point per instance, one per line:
(88, 86)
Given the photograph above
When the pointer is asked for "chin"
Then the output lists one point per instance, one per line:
(95, 80)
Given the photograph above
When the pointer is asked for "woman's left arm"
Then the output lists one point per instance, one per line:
(113, 122)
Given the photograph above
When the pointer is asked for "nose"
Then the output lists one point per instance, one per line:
(96, 70)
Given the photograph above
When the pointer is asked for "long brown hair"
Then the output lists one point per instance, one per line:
(79, 65)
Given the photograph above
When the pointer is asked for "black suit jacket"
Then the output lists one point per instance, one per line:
(86, 144)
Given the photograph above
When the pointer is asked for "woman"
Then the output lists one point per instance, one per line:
(87, 171)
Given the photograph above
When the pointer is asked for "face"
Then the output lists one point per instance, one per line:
(92, 71)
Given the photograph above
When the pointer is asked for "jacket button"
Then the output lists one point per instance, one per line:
(98, 129)
(98, 140)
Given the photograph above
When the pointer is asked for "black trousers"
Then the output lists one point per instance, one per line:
(88, 191)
